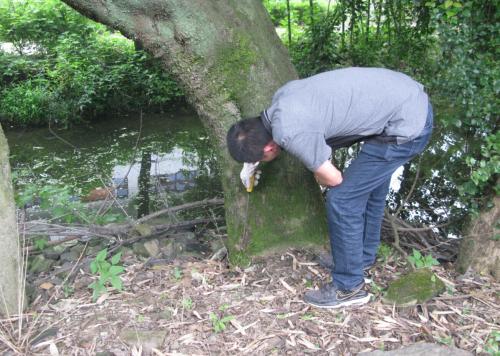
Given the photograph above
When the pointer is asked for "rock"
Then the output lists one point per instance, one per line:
(40, 264)
(83, 282)
(140, 250)
(186, 236)
(53, 252)
(173, 249)
(152, 247)
(149, 339)
(142, 230)
(216, 244)
(94, 249)
(72, 254)
(421, 349)
(127, 252)
(94, 242)
(414, 288)
(47, 333)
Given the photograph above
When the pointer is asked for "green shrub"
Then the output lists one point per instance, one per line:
(68, 69)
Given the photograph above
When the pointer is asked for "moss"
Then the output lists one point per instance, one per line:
(233, 66)
(279, 216)
(142, 230)
(414, 288)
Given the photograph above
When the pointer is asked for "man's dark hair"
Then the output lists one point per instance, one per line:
(246, 140)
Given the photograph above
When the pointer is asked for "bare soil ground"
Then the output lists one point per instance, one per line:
(205, 308)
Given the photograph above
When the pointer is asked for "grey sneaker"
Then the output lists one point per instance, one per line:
(328, 296)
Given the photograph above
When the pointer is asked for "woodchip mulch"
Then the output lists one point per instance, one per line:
(204, 308)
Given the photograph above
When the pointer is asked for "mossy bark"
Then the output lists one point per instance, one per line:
(230, 61)
(480, 248)
(9, 251)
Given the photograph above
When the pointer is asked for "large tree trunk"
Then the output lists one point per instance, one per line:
(229, 59)
(10, 280)
(480, 249)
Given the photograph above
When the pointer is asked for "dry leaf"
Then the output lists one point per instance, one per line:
(46, 286)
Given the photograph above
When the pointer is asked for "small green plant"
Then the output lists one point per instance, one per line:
(177, 273)
(307, 316)
(219, 323)
(187, 303)
(109, 273)
(492, 345)
(375, 288)
(384, 252)
(339, 317)
(67, 290)
(40, 243)
(420, 261)
(447, 340)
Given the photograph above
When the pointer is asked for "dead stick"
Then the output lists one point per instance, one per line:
(213, 201)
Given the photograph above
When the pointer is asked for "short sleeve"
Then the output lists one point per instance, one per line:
(310, 148)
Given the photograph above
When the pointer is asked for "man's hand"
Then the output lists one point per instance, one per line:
(328, 175)
(250, 175)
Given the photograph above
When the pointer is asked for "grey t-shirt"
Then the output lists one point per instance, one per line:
(350, 102)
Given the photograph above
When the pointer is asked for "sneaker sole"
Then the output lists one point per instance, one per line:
(359, 301)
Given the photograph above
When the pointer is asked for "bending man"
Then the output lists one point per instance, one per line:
(309, 118)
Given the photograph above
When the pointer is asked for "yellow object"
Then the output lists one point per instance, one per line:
(252, 181)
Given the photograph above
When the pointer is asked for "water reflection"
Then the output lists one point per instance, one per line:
(172, 170)
(160, 154)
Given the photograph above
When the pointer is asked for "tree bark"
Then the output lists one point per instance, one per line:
(289, 22)
(10, 254)
(480, 248)
(230, 61)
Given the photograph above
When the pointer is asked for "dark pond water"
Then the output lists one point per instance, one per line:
(171, 151)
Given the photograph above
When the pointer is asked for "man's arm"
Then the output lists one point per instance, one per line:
(328, 175)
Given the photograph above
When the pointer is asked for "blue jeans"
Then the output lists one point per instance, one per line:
(355, 208)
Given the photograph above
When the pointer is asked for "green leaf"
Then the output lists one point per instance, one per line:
(116, 258)
(93, 267)
(104, 277)
(227, 318)
(115, 270)
(40, 244)
(116, 282)
(448, 3)
(101, 256)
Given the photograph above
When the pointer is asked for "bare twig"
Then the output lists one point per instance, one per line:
(213, 201)
(414, 184)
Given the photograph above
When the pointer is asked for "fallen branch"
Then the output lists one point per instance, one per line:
(197, 204)
(112, 231)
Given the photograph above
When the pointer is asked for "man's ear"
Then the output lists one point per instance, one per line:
(271, 146)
